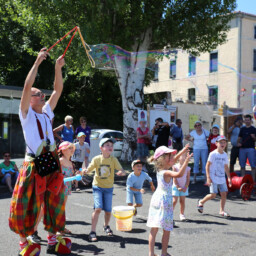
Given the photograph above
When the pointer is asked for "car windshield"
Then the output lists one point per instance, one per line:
(94, 135)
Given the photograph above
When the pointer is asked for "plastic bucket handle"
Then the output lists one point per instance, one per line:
(123, 218)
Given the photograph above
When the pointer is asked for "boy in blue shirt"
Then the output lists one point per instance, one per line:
(134, 184)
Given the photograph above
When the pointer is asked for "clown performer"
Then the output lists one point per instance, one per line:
(35, 186)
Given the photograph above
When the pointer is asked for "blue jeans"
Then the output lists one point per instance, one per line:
(13, 178)
(245, 153)
(200, 153)
(102, 198)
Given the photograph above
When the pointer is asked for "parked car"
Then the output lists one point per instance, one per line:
(98, 134)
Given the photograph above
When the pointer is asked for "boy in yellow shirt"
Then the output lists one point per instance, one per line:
(104, 166)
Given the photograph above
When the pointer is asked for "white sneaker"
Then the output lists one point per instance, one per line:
(182, 217)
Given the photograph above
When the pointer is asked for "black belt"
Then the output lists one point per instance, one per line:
(31, 154)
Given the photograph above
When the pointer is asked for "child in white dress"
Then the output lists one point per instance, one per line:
(161, 208)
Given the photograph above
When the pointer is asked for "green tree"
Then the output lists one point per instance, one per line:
(16, 41)
(135, 25)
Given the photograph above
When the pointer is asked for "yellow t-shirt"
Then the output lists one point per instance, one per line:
(104, 170)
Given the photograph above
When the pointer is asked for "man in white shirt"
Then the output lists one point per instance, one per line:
(32, 190)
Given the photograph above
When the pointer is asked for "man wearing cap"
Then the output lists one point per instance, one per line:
(162, 131)
(246, 142)
(28, 196)
(104, 166)
(177, 135)
(233, 132)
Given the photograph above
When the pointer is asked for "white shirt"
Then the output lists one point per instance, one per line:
(200, 140)
(217, 167)
(30, 129)
(80, 152)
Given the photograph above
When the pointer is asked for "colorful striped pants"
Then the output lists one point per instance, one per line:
(26, 204)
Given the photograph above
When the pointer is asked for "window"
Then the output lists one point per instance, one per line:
(156, 69)
(5, 130)
(213, 96)
(213, 62)
(172, 68)
(254, 32)
(254, 60)
(192, 66)
(192, 94)
(253, 95)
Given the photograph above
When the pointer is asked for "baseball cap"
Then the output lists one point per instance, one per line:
(215, 126)
(80, 134)
(163, 150)
(64, 145)
(221, 137)
(104, 140)
(137, 162)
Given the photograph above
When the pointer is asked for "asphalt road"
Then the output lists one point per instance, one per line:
(203, 234)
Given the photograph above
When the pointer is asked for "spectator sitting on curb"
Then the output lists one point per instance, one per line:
(8, 171)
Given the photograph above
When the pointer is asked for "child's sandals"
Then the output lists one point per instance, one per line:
(92, 237)
(225, 214)
(200, 207)
(108, 230)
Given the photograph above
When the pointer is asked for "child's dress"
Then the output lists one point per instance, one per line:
(161, 210)
(67, 172)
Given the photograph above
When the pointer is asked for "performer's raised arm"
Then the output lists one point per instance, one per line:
(26, 94)
(58, 83)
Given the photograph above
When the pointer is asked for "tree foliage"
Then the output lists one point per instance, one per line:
(197, 26)
(15, 58)
(97, 96)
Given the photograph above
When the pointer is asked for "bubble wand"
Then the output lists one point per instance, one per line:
(75, 30)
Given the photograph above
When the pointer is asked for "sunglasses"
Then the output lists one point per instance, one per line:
(39, 94)
(198, 125)
(6, 155)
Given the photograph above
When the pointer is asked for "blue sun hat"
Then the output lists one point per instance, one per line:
(80, 134)
(216, 126)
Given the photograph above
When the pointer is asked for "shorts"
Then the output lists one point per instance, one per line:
(102, 198)
(176, 192)
(215, 188)
(78, 165)
(137, 196)
(142, 150)
(234, 155)
(245, 153)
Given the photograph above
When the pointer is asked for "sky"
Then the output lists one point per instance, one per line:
(248, 6)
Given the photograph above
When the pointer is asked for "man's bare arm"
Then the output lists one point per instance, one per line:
(26, 94)
(58, 83)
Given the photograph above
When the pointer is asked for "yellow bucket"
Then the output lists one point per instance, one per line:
(123, 215)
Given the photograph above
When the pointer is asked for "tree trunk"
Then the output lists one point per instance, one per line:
(130, 73)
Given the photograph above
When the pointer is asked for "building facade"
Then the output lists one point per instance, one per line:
(227, 74)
